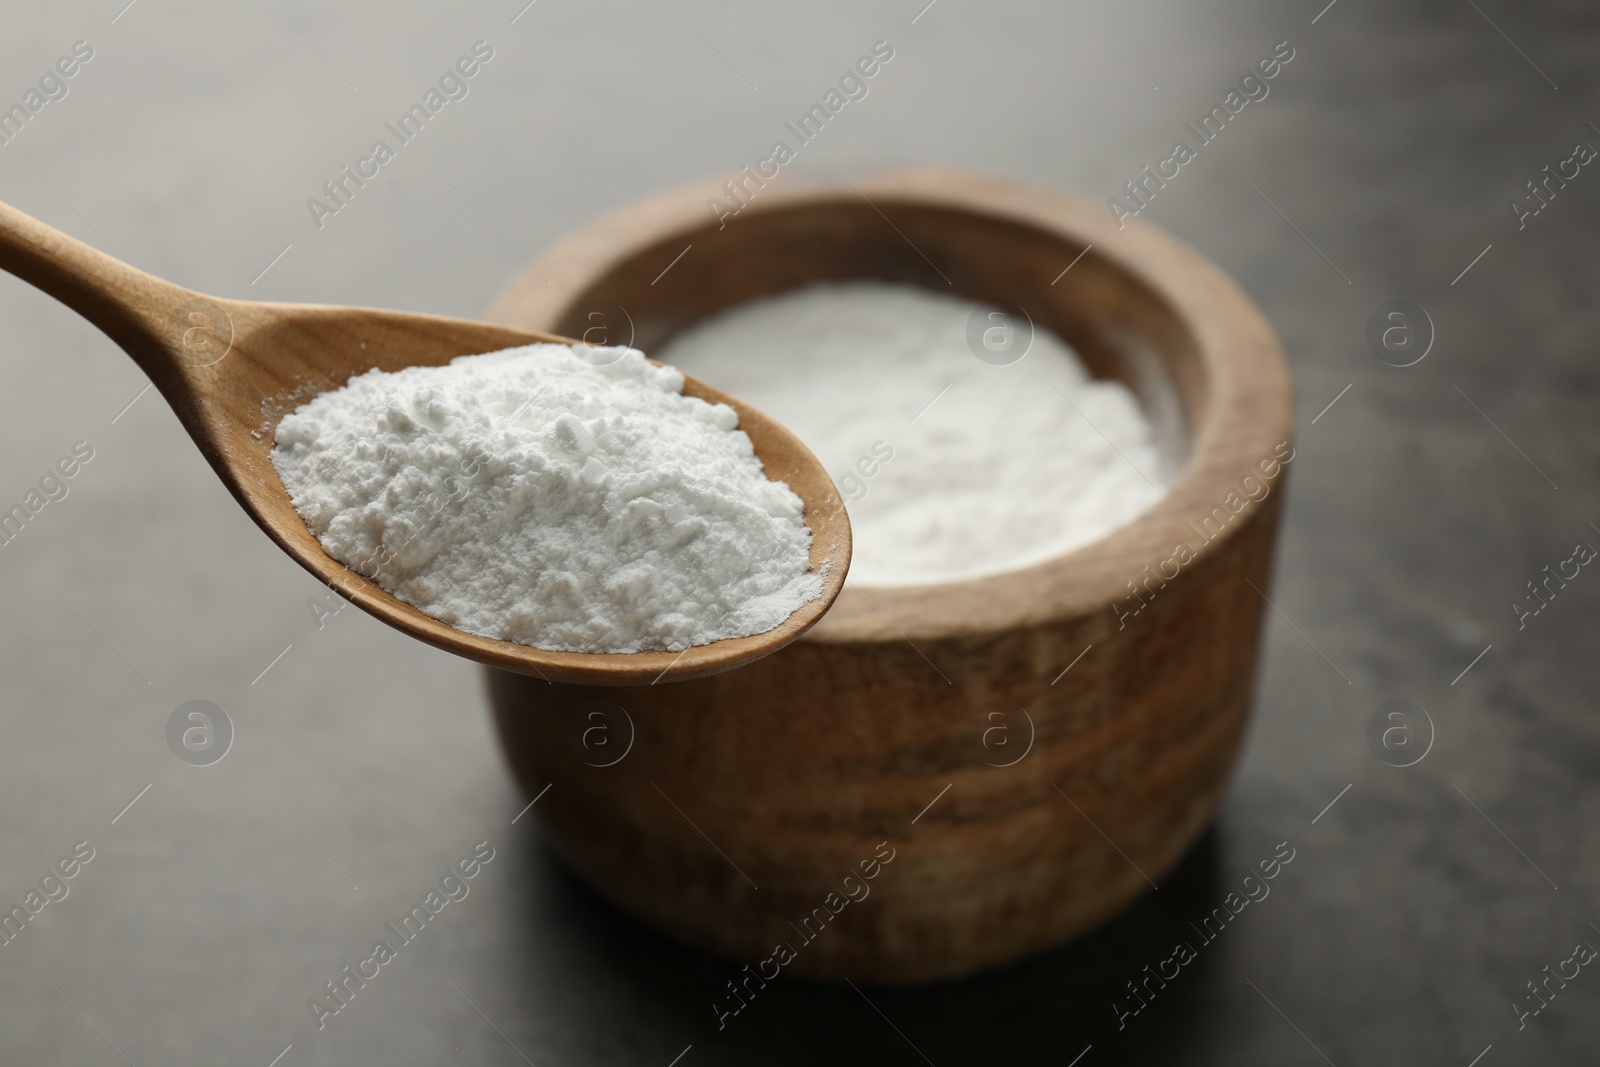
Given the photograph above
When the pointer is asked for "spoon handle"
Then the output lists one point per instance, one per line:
(143, 314)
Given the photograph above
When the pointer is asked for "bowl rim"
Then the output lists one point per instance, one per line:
(1243, 419)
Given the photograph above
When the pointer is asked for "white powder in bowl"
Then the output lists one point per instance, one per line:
(574, 504)
(950, 467)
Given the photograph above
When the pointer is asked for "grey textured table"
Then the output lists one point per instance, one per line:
(1423, 501)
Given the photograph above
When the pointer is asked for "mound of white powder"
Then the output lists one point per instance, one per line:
(950, 467)
(574, 504)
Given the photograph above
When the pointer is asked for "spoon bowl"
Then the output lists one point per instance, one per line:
(231, 369)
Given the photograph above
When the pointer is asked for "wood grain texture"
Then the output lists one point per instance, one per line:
(746, 798)
(231, 369)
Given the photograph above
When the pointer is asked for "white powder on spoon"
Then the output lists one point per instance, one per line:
(572, 503)
(950, 467)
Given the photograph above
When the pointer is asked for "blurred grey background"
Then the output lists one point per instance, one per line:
(1422, 502)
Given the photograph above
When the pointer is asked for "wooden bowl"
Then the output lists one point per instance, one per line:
(1021, 806)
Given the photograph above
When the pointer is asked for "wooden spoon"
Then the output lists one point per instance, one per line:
(231, 369)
